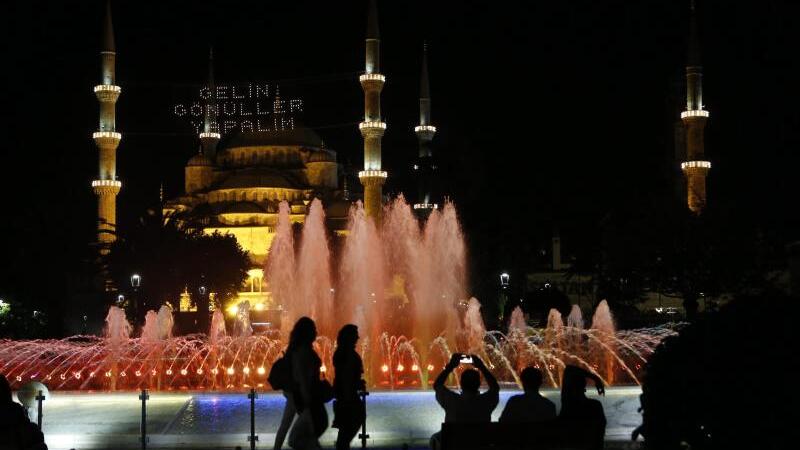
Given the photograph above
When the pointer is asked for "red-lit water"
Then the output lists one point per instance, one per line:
(404, 285)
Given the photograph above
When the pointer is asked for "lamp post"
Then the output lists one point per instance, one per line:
(202, 304)
(136, 282)
(503, 298)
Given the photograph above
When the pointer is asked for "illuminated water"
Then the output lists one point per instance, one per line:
(403, 283)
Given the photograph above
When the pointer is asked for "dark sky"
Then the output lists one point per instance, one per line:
(547, 111)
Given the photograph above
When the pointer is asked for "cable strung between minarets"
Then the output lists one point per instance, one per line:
(372, 128)
(106, 186)
(695, 167)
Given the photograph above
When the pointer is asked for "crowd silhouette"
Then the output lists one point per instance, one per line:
(580, 423)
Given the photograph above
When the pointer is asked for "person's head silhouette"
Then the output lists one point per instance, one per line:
(303, 334)
(573, 383)
(470, 381)
(348, 336)
(531, 378)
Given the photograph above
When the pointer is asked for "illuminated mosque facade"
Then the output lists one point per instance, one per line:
(236, 181)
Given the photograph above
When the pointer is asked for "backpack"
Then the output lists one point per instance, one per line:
(280, 375)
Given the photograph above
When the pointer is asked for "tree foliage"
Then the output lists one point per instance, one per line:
(172, 257)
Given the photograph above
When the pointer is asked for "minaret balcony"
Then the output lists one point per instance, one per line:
(107, 92)
(372, 174)
(106, 138)
(426, 206)
(106, 186)
(425, 129)
(372, 77)
(690, 165)
(372, 125)
(372, 128)
(210, 135)
(107, 88)
(694, 113)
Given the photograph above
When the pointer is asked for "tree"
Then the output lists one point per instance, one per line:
(172, 257)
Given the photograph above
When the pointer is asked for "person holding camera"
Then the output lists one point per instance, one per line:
(469, 406)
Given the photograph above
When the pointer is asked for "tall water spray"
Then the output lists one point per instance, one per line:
(604, 344)
(313, 276)
(217, 331)
(118, 329)
(158, 325)
(241, 323)
(517, 322)
(280, 270)
(361, 274)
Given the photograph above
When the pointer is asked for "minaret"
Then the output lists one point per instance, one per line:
(106, 186)
(210, 136)
(372, 128)
(695, 167)
(425, 166)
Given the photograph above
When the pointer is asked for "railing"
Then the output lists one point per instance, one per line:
(363, 125)
(107, 88)
(695, 165)
(107, 134)
(373, 173)
(694, 113)
(112, 183)
(372, 77)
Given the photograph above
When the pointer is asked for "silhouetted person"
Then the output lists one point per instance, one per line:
(530, 406)
(584, 417)
(348, 409)
(16, 431)
(471, 406)
(290, 410)
(313, 419)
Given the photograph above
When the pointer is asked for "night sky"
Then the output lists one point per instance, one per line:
(548, 112)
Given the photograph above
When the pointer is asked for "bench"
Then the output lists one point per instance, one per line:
(549, 435)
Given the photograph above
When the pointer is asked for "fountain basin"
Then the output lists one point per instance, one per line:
(206, 420)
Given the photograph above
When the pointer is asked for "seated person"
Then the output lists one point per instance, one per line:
(584, 416)
(470, 406)
(530, 406)
(16, 431)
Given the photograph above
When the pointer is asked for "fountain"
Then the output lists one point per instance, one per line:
(403, 283)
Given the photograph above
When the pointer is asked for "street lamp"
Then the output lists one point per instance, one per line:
(136, 281)
(202, 290)
(504, 280)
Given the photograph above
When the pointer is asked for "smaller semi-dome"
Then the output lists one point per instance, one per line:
(199, 160)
